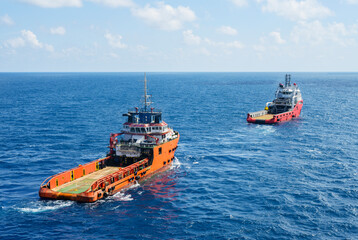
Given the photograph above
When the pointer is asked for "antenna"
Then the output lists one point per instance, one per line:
(288, 80)
(147, 100)
(145, 91)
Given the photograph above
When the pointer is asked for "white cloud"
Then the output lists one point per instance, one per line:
(6, 20)
(314, 33)
(115, 41)
(240, 3)
(277, 37)
(296, 10)
(55, 3)
(58, 30)
(190, 38)
(227, 30)
(164, 16)
(28, 38)
(115, 3)
(31, 38)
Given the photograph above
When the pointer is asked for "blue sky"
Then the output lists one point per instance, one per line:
(173, 35)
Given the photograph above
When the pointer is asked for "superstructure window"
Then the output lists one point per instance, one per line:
(137, 130)
(132, 130)
(160, 151)
(142, 130)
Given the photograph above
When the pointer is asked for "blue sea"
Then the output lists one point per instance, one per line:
(230, 179)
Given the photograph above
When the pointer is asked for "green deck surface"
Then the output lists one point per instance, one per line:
(77, 187)
(83, 183)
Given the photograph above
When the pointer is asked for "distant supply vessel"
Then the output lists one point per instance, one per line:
(145, 146)
(286, 105)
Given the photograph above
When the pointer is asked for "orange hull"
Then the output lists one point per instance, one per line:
(163, 156)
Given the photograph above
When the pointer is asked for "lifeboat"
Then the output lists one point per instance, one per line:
(146, 145)
(286, 106)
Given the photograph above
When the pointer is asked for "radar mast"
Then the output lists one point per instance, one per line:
(147, 98)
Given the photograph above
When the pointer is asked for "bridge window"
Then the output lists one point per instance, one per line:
(132, 130)
(137, 130)
(142, 130)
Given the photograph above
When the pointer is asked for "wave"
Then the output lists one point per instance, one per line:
(44, 206)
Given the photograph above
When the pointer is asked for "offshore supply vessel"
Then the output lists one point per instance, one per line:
(145, 145)
(286, 105)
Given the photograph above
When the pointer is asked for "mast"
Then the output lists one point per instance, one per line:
(147, 100)
(145, 92)
(288, 80)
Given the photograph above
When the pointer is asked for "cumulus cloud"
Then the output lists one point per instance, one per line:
(31, 38)
(55, 3)
(115, 41)
(28, 38)
(240, 3)
(190, 38)
(164, 16)
(227, 30)
(58, 31)
(277, 37)
(6, 20)
(296, 10)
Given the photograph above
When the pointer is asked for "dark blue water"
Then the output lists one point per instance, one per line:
(231, 180)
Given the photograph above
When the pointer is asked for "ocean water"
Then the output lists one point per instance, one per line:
(230, 179)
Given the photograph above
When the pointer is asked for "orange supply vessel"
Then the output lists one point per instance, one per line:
(286, 105)
(145, 145)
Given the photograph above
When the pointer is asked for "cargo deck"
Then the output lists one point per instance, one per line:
(82, 184)
(264, 117)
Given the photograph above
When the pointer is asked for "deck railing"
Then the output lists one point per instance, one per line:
(258, 114)
(116, 175)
